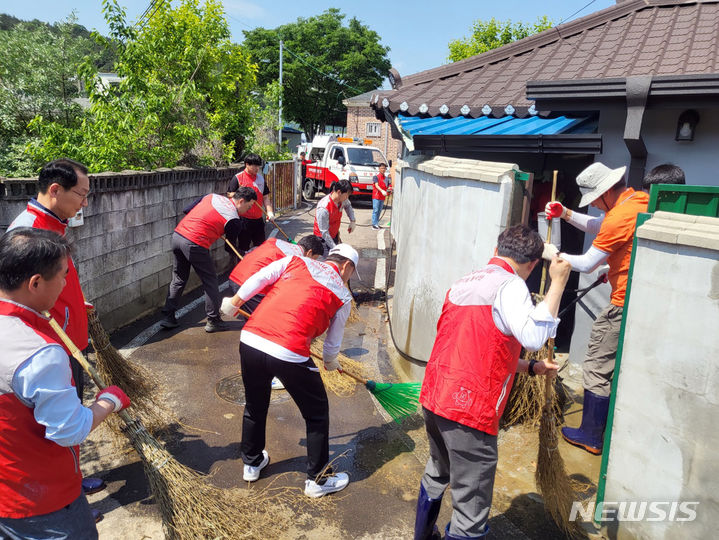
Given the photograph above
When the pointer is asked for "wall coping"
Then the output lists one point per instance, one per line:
(472, 169)
(681, 229)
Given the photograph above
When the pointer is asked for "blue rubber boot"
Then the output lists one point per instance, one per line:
(427, 512)
(448, 536)
(590, 435)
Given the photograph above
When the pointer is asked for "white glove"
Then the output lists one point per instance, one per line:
(603, 271)
(352, 226)
(550, 251)
(228, 308)
(271, 216)
(554, 209)
(331, 365)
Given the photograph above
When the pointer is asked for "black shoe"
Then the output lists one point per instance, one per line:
(215, 325)
(93, 485)
(376, 227)
(169, 322)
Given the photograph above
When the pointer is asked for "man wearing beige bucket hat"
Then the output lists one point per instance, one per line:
(604, 189)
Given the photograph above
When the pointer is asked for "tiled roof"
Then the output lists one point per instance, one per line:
(635, 37)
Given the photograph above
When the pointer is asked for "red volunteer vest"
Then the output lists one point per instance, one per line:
(298, 307)
(472, 366)
(69, 310)
(269, 251)
(258, 185)
(206, 222)
(335, 216)
(382, 184)
(37, 476)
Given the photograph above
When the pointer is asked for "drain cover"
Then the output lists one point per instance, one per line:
(231, 389)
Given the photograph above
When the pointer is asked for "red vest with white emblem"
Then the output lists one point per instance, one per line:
(37, 476)
(298, 307)
(270, 250)
(206, 222)
(335, 216)
(258, 185)
(472, 366)
(69, 311)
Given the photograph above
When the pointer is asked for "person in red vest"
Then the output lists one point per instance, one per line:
(271, 250)
(303, 164)
(63, 190)
(486, 319)
(305, 298)
(42, 421)
(191, 242)
(328, 214)
(251, 228)
(380, 188)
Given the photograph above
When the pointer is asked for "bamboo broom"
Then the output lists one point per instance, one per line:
(551, 476)
(192, 508)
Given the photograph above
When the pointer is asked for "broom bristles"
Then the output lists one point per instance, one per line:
(398, 399)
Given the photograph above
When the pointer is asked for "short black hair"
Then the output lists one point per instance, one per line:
(667, 173)
(27, 251)
(245, 192)
(343, 186)
(312, 243)
(520, 243)
(253, 159)
(60, 171)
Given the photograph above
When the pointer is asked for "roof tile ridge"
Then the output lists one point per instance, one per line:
(541, 39)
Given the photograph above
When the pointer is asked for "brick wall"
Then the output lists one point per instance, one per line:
(122, 251)
(357, 119)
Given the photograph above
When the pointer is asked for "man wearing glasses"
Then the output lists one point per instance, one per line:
(63, 188)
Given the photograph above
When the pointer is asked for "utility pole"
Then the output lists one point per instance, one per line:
(279, 131)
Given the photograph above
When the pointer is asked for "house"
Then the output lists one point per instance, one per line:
(362, 123)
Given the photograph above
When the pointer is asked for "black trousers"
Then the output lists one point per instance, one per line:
(252, 231)
(304, 384)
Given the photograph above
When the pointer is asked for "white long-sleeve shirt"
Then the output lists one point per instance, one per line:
(323, 221)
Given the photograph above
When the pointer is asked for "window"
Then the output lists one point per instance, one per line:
(374, 129)
(368, 156)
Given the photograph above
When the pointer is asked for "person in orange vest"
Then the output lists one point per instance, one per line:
(63, 190)
(328, 214)
(251, 228)
(42, 420)
(606, 190)
(486, 319)
(306, 297)
(191, 241)
(380, 187)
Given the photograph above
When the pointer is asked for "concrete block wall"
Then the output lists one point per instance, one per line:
(664, 436)
(123, 249)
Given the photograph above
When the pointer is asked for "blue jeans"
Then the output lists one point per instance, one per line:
(74, 522)
(376, 210)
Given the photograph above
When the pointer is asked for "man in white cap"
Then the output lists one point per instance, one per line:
(304, 298)
(604, 189)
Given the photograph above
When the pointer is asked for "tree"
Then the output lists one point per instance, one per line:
(488, 35)
(324, 62)
(264, 114)
(182, 99)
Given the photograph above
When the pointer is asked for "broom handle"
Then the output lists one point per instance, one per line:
(81, 359)
(272, 221)
(543, 283)
(232, 247)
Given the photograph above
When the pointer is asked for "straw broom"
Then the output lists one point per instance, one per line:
(551, 477)
(136, 381)
(191, 508)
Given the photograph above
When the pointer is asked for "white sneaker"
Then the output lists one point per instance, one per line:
(336, 482)
(250, 474)
(277, 384)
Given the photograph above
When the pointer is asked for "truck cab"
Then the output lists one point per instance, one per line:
(341, 158)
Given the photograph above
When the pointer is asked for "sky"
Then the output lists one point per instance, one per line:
(416, 31)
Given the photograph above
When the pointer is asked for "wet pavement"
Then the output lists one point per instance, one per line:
(200, 375)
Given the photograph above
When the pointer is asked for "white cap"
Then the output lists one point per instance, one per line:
(596, 180)
(348, 252)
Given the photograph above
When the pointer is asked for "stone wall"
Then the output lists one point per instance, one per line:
(122, 251)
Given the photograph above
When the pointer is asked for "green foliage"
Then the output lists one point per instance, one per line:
(324, 63)
(488, 35)
(183, 97)
(264, 112)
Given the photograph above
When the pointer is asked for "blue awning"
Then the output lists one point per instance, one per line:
(507, 125)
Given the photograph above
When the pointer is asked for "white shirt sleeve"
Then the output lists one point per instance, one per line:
(347, 207)
(585, 222)
(322, 216)
(43, 382)
(262, 278)
(587, 262)
(335, 332)
(514, 314)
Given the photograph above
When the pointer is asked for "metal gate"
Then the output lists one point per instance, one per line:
(280, 179)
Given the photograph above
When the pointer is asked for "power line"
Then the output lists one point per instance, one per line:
(578, 11)
(158, 4)
(149, 7)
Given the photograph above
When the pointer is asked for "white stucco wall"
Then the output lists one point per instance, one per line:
(664, 436)
(446, 217)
